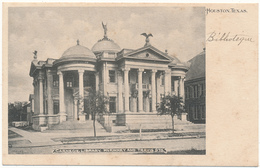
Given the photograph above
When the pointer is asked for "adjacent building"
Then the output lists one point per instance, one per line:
(133, 79)
(195, 89)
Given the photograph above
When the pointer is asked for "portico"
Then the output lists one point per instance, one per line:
(142, 91)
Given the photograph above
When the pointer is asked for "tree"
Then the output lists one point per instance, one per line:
(97, 104)
(170, 105)
(16, 111)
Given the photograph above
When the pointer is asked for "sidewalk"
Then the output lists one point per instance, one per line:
(49, 139)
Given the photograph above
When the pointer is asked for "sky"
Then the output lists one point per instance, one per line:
(52, 30)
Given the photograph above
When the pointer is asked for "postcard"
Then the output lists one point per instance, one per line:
(130, 84)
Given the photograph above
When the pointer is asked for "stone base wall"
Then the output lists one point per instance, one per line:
(40, 121)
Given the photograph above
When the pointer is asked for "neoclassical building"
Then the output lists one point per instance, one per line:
(133, 79)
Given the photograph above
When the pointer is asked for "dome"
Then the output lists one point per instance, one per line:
(106, 45)
(78, 51)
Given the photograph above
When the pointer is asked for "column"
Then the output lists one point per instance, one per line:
(167, 87)
(181, 85)
(126, 72)
(61, 93)
(153, 90)
(158, 85)
(81, 92)
(49, 88)
(41, 94)
(119, 87)
(62, 112)
(97, 81)
(75, 109)
(170, 82)
(176, 87)
(105, 76)
(35, 95)
(140, 90)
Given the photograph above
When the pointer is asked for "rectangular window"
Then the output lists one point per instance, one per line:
(198, 90)
(112, 76)
(69, 84)
(203, 114)
(195, 112)
(190, 92)
(162, 80)
(172, 83)
(69, 81)
(55, 81)
(56, 107)
(195, 91)
(100, 77)
(202, 89)
(112, 104)
(186, 92)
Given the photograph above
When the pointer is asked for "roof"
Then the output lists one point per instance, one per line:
(197, 67)
(78, 51)
(107, 45)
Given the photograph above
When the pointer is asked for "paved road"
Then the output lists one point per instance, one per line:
(169, 145)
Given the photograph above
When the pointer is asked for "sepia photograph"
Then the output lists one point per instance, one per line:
(129, 84)
(119, 80)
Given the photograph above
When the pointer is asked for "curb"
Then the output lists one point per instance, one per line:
(106, 141)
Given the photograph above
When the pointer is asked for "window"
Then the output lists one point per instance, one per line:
(195, 112)
(69, 81)
(112, 104)
(162, 80)
(186, 92)
(203, 114)
(198, 90)
(55, 81)
(202, 89)
(195, 91)
(190, 92)
(112, 76)
(56, 108)
(69, 84)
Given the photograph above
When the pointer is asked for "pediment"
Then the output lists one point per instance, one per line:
(148, 53)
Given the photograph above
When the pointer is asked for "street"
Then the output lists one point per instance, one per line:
(169, 145)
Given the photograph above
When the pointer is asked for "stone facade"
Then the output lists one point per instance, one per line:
(134, 80)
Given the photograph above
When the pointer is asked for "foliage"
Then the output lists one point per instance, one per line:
(171, 105)
(97, 104)
(17, 111)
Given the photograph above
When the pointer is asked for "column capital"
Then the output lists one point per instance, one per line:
(125, 69)
(168, 71)
(59, 72)
(81, 71)
(154, 70)
(119, 71)
(140, 70)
